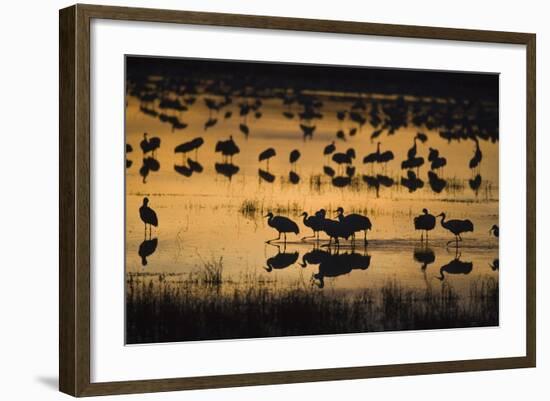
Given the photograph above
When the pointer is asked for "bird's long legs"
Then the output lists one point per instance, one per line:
(274, 239)
(310, 236)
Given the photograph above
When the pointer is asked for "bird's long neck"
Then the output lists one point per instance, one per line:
(378, 148)
(441, 276)
(305, 218)
(443, 220)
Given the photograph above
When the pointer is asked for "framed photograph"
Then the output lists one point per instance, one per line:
(250, 200)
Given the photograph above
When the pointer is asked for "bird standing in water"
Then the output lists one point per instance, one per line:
(282, 224)
(148, 216)
(424, 222)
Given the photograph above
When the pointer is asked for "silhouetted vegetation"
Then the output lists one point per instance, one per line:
(160, 309)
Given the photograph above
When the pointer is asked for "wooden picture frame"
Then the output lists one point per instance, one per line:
(74, 199)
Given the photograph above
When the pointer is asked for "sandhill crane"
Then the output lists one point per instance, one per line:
(293, 157)
(436, 161)
(266, 155)
(189, 146)
(424, 222)
(335, 230)
(354, 223)
(314, 222)
(329, 149)
(456, 227)
(210, 123)
(244, 129)
(478, 156)
(149, 144)
(227, 148)
(307, 130)
(344, 158)
(148, 216)
(282, 224)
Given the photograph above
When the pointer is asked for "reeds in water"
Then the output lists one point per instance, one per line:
(167, 311)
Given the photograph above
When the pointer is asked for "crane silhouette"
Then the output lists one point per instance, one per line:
(228, 149)
(282, 224)
(354, 223)
(266, 155)
(294, 157)
(189, 146)
(424, 222)
(335, 230)
(329, 149)
(478, 156)
(344, 158)
(149, 144)
(314, 222)
(148, 216)
(456, 227)
(494, 230)
(437, 162)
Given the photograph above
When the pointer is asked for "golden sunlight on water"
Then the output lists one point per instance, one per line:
(210, 220)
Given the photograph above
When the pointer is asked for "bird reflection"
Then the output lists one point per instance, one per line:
(293, 177)
(437, 184)
(329, 171)
(338, 264)
(146, 249)
(281, 260)
(226, 169)
(475, 183)
(149, 164)
(129, 149)
(341, 181)
(425, 256)
(376, 181)
(455, 266)
(266, 176)
(183, 170)
(195, 166)
(412, 182)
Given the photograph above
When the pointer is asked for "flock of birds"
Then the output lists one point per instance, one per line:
(341, 176)
(170, 98)
(346, 226)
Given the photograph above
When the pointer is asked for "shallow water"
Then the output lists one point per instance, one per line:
(207, 216)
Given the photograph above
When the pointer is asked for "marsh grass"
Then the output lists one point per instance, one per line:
(165, 310)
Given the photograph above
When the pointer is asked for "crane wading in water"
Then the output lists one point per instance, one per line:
(148, 216)
(424, 222)
(283, 225)
(456, 227)
(354, 223)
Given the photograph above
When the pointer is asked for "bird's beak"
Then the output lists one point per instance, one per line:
(439, 215)
(267, 215)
